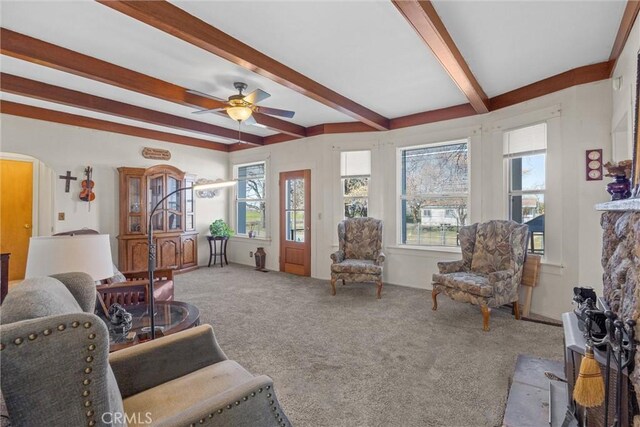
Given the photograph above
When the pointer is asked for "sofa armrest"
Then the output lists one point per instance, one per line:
(381, 258)
(149, 364)
(253, 403)
(446, 267)
(337, 257)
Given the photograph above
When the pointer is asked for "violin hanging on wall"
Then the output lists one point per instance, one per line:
(87, 194)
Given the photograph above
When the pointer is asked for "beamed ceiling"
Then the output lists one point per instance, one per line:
(349, 66)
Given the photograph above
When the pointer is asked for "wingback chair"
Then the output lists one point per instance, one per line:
(489, 274)
(360, 257)
(57, 370)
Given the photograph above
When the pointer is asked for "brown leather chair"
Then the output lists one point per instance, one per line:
(135, 290)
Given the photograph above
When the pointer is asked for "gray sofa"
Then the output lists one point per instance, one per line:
(57, 370)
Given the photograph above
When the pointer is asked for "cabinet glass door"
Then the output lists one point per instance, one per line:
(134, 217)
(174, 205)
(156, 193)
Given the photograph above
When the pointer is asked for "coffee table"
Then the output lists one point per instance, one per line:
(171, 317)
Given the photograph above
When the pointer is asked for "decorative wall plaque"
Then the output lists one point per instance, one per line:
(156, 153)
(206, 194)
(594, 165)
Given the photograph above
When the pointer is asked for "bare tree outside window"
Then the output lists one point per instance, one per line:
(251, 200)
(435, 194)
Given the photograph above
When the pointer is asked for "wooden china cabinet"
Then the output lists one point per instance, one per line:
(173, 224)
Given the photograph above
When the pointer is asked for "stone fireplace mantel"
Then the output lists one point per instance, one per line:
(621, 263)
(620, 205)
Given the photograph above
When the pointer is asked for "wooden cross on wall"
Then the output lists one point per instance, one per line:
(68, 178)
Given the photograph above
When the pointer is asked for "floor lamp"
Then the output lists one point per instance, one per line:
(152, 246)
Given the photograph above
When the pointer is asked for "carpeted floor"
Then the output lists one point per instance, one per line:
(352, 360)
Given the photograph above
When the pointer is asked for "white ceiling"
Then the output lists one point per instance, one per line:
(364, 50)
(510, 44)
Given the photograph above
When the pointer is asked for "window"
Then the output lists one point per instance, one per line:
(355, 171)
(525, 161)
(435, 193)
(250, 200)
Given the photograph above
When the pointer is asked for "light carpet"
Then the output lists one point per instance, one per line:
(352, 360)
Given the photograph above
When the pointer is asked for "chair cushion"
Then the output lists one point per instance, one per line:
(163, 290)
(177, 396)
(468, 282)
(492, 249)
(356, 266)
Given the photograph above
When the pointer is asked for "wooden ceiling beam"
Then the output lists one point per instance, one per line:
(577, 76)
(626, 24)
(425, 21)
(433, 116)
(43, 53)
(46, 92)
(38, 113)
(177, 22)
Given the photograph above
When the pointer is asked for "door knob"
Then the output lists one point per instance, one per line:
(27, 226)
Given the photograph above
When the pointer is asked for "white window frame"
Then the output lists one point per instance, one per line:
(400, 197)
(265, 199)
(342, 178)
(507, 176)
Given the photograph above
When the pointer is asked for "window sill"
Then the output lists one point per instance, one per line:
(247, 239)
(449, 249)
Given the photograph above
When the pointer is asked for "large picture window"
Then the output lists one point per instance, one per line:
(355, 172)
(435, 193)
(251, 200)
(525, 162)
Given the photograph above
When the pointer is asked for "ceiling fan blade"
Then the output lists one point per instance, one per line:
(275, 112)
(213, 110)
(250, 121)
(256, 96)
(206, 95)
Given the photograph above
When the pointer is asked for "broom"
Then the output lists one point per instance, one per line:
(589, 388)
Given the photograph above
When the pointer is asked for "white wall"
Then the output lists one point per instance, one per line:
(622, 117)
(64, 148)
(578, 118)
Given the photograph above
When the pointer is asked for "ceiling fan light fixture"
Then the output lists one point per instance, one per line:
(239, 114)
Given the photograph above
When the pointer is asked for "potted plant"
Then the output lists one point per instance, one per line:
(219, 228)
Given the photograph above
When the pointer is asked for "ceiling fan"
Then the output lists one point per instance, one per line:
(240, 107)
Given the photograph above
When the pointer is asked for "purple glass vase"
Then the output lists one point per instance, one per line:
(620, 188)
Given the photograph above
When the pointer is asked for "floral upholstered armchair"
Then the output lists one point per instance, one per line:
(360, 257)
(489, 274)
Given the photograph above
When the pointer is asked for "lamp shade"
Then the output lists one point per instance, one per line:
(89, 254)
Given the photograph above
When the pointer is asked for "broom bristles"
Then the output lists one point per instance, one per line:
(589, 388)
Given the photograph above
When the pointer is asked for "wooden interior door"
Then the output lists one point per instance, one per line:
(16, 207)
(295, 222)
